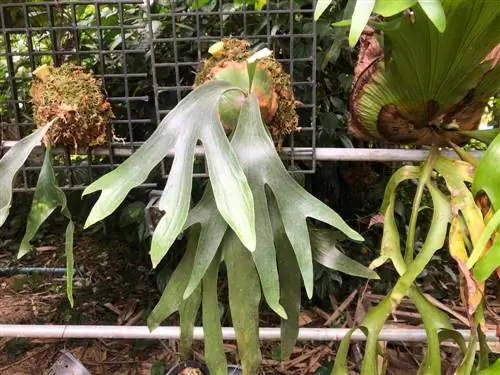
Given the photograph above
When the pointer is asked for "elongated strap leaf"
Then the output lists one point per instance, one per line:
(214, 348)
(486, 136)
(265, 253)
(262, 165)
(340, 367)
(321, 6)
(188, 312)
(290, 286)
(48, 196)
(488, 174)
(324, 244)
(244, 300)
(10, 164)
(435, 12)
(194, 118)
(488, 263)
(360, 17)
(436, 236)
(389, 8)
(213, 228)
(171, 298)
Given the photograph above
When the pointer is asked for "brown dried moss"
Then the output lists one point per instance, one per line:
(76, 100)
(278, 108)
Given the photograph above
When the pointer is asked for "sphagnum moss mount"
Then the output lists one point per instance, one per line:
(424, 77)
(70, 110)
(74, 98)
(253, 215)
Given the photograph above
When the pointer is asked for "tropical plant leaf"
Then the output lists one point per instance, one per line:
(485, 136)
(264, 168)
(492, 370)
(172, 297)
(244, 300)
(437, 327)
(10, 164)
(340, 367)
(48, 196)
(488, 174)
(289, 278)
(374, 320)
(488, 263)
(194, 118)
(445, 82)
(435, 12)
(188, 312)
(212, 231)
(214, 348)
(388, 8)
(321, 6)
(361, 15)
(325, 248)
(390, 247)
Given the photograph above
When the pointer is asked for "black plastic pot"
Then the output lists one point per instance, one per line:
(176, 370)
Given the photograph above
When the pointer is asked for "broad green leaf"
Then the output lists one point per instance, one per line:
(244, 300)
(485, 136)
(214, 348)
(435, 12)
(321, 6)
(10, 164)
(171, 298)
(48, 196)
(494, 369)
(194, 118)
(398, 96)
(290, 285)
(360, 17)
(324, 244)
(488, 263)
(212, 231)
(389, 8)
(188, 312)
(488, 174)
(264, 168)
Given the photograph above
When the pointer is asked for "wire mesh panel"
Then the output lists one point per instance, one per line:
(145, 54)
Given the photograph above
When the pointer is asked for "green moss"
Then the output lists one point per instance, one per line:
(76, 100)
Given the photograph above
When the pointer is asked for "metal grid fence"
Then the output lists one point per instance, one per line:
(145, 54)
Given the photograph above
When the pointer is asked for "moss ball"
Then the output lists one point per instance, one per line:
(75, 99)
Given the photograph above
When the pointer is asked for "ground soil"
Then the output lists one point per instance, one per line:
(115, 287)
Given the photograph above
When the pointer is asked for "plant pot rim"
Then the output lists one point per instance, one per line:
(175, 370)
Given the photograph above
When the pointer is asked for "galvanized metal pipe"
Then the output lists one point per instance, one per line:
(265, 334)
(306, 153)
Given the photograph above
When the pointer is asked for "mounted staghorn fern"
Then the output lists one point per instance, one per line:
(253, 216)
(422, 80)
(69, 110)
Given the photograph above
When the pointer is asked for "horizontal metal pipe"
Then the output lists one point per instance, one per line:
(306, 153)
(265, 334)
(30, 270)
